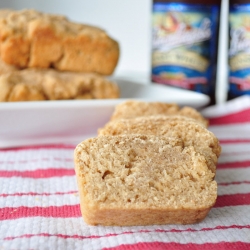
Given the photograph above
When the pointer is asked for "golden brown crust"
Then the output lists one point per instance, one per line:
(36, 85)
(194, 114)
(142, 180)
(33, 39)
(133, 109)
(132, 217)
(188, 130)
(6, 68)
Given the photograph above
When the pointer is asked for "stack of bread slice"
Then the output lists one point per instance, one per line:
(152, 163)
(71, 59)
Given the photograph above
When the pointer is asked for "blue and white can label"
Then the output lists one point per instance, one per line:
(239, 50)
(184, 45)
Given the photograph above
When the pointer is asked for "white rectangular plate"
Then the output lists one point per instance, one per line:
(71, 121)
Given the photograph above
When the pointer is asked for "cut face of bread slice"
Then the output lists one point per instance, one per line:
(133, 109)
(36, 85)
(141, 180)
(189, 131)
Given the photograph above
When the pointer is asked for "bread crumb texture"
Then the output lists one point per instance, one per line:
(142, 180)
(188, 130)
(30, 39)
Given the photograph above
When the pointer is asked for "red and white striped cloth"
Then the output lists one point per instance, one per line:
(39, 202)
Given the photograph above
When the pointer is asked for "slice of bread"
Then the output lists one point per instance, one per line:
(132, 109)
(34, 39)
(188, 130)
(131, 180)
(35, 85)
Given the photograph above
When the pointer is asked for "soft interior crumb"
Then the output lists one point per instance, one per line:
(138, 171)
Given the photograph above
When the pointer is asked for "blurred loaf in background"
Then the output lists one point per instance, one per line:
(48, 57)
(49, 84)
(34, 39)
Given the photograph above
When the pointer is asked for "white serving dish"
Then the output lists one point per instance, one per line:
(71, 121)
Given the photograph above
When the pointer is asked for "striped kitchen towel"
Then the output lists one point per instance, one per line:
(39, 202)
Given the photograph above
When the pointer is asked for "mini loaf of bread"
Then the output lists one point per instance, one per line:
(132, 109)
(30, 38)
(37, 85)
(131, 180)
(188, 130)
